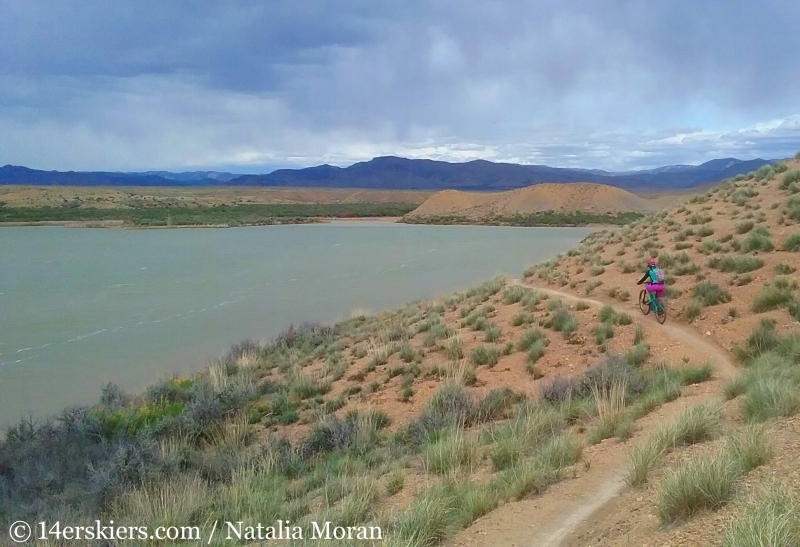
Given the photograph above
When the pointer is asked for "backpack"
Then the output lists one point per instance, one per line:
(658, 273)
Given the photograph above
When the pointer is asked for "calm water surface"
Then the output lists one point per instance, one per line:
(83, 307)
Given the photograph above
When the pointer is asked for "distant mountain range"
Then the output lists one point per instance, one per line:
(395, 173)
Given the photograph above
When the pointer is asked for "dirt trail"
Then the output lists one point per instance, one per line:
(681, 333)
(547, 521)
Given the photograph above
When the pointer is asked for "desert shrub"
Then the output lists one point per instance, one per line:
(758, 240)
(761, 340)
(790, 177)
(407, 352)
(492, 332)
(793, 208)
(486, 290)
(792, 243)
(532, 298)
(764, 172)
(710, 246)
(770, 396)
(744, 226)
(561, 451)
(449, 406)
(497, 404)
(592, 285)
(603, 332)
(514, 294)
(705, 231)
(749, 448)
(685, 268)
(608, 314)
(738, 264)
(784, 269)
(638, 354)
(484, 355)
(529, 337)
(450, 451)
(773, 295)
(705, 482)
(710, 294)
(596, 270)
(694, 425)
(522, 318)
(558, 390)
(536, 351)
(564, 322)
(771, 517)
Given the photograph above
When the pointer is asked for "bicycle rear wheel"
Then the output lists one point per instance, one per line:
(644, 302)
(661, 312)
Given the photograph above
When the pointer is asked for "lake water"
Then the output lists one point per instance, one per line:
(83, 307)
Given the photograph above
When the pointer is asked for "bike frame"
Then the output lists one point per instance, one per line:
(654, 305)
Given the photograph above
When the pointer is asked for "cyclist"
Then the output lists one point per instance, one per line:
(655, 279)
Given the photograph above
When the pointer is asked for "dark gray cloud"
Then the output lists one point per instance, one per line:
(249, 85)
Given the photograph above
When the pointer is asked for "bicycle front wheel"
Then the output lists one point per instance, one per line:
(644, 302)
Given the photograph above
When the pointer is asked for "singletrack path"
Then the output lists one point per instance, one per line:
(546, 521)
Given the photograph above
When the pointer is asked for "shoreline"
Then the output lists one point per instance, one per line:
(123, 225)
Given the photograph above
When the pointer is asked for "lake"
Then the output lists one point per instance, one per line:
(83, 307)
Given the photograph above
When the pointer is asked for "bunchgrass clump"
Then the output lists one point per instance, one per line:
(710, 294)
(773, 295)
(564, 322)
(769, 518)
(705, 482)
(529, 337)
(484, 355)
(792, 243)
(758, 240)
(737, 264)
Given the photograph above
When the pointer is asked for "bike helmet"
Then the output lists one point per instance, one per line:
(651, 263)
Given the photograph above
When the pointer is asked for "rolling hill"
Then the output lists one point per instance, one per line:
(583, 197)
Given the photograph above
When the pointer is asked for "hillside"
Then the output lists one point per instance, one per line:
(590, 198)
(548, 411)
(393, 173)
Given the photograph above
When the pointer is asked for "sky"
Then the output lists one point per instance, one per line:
(250, 86)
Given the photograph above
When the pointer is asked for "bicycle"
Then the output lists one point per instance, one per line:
(648, 302)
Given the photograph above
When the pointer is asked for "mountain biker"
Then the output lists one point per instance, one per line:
(655, 279)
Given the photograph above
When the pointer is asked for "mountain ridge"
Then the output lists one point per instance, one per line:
(396, 173)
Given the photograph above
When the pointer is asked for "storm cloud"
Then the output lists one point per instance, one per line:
(250, 86)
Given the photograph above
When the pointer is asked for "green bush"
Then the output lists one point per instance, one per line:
(738, 264)
(710, 294)
(790, 177)
(638, 354)
(744, 226)
(792, 243)
(536, 351)
(693, 310)
(514, 294)
(603, 332)
(484, 355)
(563, 321)
(531, 336)
(701, 483)
(773, 295)
(758, 240)
(705, 231)
(772, 517)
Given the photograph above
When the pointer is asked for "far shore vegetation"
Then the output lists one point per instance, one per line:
(544, 218)
(226, 215)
